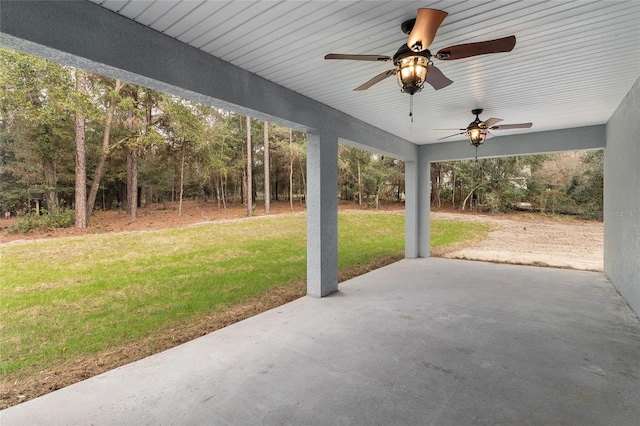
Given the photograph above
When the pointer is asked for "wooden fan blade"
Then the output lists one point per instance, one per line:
(450, 136)
(490, 122)
(424, 30)
(377, 79)
(379, 58)
(512, 126)
(460, 51)
(436, 78)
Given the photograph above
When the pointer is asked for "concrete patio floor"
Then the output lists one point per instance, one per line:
(423, 341)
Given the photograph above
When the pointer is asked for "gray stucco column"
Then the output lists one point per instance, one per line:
(424, 202)
(417, 207)
(411, 212)
(322, 213)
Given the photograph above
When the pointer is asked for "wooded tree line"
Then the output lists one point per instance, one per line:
(567, 183)
(83, 141)
(70, 139)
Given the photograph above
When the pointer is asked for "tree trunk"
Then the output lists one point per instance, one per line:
(249, 171)
(291, 169)
(304, 186)
(359, 185)
(464, 203)
(132, 182)
(267, 171)
(104, 153)
(181, 184)
(243, 185)
(51, 185)
(216, 185)
(223, 185)
(453, 191)
(80, 214)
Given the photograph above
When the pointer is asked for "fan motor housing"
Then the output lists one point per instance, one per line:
(404, 52)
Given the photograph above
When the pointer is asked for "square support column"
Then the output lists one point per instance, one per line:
(322, 214)
(424, 202)
(417, 207)
(411, 211)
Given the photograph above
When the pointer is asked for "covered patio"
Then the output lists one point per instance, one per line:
(422, 341)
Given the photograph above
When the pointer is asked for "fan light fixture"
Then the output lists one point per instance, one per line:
(411, 70)
(412, 62)
(412, 73)
(477, 130)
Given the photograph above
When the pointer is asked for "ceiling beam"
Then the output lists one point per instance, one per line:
(85, 35)
(576, 139)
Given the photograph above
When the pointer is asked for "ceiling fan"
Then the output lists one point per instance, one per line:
(478, 131)
(413, 61)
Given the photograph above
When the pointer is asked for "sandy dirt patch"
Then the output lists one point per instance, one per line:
(534, 240)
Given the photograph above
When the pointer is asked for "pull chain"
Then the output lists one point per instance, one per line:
(476, 154)
(411, 107)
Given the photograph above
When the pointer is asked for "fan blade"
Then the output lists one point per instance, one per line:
(379, 58)
(451, 129)
(424, 30)
(460, 51)
(450, 136)
(489, 135)
(377, 79)
(436, 79)
(512, 126)
(490, 122)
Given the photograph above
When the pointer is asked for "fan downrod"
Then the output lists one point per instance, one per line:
(407, 25)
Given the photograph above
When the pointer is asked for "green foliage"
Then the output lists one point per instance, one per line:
(168, 134)
(556, 183)
(37, 105)
(366, 178)
(44, 221)
(569, 184)
(493, 184)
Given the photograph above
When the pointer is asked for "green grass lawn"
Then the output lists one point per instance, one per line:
(68, 297)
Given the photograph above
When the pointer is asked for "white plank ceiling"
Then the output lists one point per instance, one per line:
(573, 63)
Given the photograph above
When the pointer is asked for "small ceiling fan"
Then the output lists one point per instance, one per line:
(478, 131)
(413, 60)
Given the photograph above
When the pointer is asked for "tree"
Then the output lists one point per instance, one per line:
(111, 102)
(249, 185)
(80, 214)
(37, 105)
(140, 122)
(183, 128)
(291, 169)
(267, 186)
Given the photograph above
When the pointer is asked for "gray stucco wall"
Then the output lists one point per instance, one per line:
(622, 199)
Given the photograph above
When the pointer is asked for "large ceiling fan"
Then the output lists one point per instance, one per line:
(413, 60)
(478, 131)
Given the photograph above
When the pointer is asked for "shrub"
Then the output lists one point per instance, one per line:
(47, 222)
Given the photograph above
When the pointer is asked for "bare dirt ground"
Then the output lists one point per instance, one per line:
(518, 238)
(530, 239)
(157, 216)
